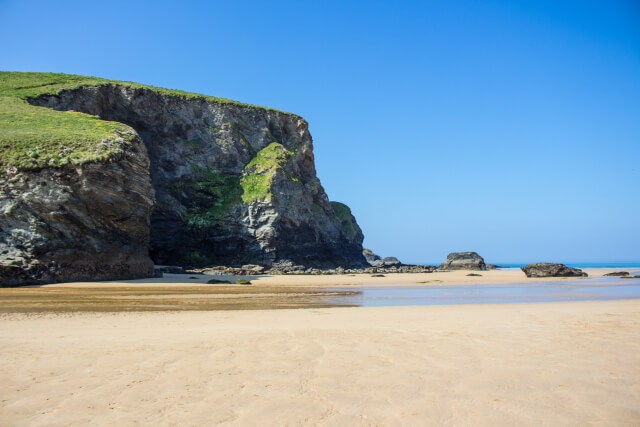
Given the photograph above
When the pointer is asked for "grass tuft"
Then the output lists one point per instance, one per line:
(33, 138)
(259, 173)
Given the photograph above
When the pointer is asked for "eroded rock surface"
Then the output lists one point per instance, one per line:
(234, 184)
(376, 260)
(548, 269)
(88, 222)
(463, 261)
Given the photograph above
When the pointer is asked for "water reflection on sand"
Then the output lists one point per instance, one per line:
(562, 290)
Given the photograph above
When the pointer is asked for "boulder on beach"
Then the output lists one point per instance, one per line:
(390, 260)
(618, 273)
(377, 261)
(463, 261)
(549, 269)
(371, 257)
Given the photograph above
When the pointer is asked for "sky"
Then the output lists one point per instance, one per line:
(510, 128)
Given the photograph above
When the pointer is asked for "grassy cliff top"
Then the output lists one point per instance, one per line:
(33, 137)
(30, 85)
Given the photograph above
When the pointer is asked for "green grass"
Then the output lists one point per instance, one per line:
(260, 171)
(35, 137)
(342, 214)
(240, 281)
(213, 194)
(30, 85)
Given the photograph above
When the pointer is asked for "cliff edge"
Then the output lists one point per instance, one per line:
(228, 183)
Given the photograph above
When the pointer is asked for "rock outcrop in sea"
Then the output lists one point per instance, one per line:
(548, 269)
(463, 261)
(203, 182)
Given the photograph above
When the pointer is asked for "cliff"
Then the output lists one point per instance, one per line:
(233, 183)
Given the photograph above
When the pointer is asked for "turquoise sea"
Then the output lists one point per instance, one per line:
(622, 265)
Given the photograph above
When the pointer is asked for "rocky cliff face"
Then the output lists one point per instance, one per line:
(88, 222)
(233, 184)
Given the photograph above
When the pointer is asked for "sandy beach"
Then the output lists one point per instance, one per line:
(460, 277)
(575, 363)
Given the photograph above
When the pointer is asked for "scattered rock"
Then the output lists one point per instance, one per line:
(240, 281)
(254, 269)
(372, 259)
(377, 261)
(548, 269)
(300, 269)
(377, 275)
(474, 274)
(617, 273)
(463, 261)
(389, 261)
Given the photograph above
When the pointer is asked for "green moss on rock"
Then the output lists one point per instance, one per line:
(212, 195)
(259, 173)
(342, 214)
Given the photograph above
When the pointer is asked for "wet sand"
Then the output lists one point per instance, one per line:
(572, 363)
(188, 292)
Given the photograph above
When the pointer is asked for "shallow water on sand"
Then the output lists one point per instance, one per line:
(565, 290)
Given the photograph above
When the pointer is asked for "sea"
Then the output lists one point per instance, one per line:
(614, 264)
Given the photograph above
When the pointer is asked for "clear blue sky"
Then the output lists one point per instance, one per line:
(511, 128)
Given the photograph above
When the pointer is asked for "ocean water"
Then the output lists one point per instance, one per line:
(562, 290)
(621, 265)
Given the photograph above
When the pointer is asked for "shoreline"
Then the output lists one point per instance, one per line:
(456, 277)
(180, 292)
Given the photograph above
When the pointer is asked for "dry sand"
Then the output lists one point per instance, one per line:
(553, 364)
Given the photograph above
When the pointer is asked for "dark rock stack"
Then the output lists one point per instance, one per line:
(88, 222)
(548, 269)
